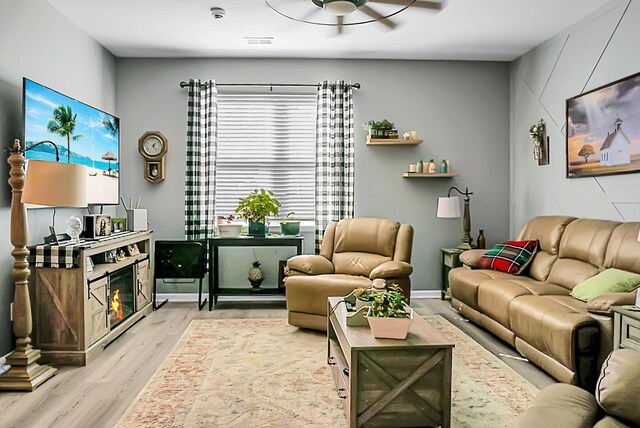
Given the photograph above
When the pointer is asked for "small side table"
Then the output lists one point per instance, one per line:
(450, 260)
(626, 328)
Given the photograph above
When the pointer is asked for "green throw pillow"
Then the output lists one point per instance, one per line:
(608, 281)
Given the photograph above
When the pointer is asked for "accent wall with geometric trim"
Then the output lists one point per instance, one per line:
(597, 50)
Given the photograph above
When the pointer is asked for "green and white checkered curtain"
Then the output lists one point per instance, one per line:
(200, 177)
(335, 164)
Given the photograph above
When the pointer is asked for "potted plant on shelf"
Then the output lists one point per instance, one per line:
(289, 226)
(389, 316)
(256, 207)
(386, 128)
(227, 228)
(372, 127)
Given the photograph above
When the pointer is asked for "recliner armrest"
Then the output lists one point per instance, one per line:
(391, 269)
(471, 257)
(602, 304)
(310, 264)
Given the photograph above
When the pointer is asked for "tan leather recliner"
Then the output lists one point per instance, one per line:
(354, 252)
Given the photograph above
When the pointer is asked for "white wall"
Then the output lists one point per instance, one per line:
(38, 42)
(459, 108)
(599, 49)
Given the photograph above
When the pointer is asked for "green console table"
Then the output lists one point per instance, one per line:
(244, 241)
(450, 260)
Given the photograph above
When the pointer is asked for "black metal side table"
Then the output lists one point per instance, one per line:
(244, 241)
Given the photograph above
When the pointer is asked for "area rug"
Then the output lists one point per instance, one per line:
(265, 373)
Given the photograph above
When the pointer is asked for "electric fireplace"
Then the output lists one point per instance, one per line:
(121, 295)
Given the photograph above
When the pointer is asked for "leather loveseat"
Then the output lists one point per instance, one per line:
(613, 406)
(534, 311)
(354, 252)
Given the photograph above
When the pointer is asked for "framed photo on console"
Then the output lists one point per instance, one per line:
(97, 226)
(603, 130)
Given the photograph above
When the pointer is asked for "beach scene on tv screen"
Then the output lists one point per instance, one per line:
(84, 135)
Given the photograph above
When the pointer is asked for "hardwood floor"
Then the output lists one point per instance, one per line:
(97, 395)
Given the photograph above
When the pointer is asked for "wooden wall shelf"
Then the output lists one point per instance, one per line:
(392, 142)
(427, 175)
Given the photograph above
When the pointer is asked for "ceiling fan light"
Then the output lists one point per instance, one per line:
(339, 7)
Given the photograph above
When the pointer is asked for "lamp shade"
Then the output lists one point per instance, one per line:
(55, 184)
(449, 207)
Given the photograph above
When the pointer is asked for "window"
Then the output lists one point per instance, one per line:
(266, 140)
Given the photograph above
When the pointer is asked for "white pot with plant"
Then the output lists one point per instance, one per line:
(389, 316)
(227, 228)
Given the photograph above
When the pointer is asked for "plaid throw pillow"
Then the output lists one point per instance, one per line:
(509, 256)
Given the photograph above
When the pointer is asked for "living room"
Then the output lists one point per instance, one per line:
(471, 102)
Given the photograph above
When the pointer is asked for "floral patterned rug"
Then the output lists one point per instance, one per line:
(265, 373)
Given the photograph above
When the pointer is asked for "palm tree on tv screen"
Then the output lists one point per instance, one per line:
(112, 125)
(64, 125)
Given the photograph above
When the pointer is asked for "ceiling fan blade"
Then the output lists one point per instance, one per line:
(309, 15)
(378, 17)
(418, 3)
(340, 26)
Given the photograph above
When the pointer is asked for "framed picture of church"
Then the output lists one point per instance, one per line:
(603, 130)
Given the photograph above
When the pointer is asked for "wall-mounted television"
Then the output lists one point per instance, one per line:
(84, 135)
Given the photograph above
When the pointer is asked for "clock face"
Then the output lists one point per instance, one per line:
(153, 145)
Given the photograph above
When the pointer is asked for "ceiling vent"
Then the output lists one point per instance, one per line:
(259, 41)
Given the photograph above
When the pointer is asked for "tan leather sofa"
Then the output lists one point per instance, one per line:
(354, 252)
(613, 406)
(534, 312)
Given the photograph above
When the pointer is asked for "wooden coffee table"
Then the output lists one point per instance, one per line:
(387, 382)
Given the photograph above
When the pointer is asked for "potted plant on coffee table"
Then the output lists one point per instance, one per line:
(389, 316)
(256, 207)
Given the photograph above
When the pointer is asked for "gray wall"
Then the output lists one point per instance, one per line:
(38, 42)
(459, 108)
(599, 49)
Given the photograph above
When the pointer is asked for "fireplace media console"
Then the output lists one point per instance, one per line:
(84, 296)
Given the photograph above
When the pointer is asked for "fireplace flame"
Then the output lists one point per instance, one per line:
(116, 306)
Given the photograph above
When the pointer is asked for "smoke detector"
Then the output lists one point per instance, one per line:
(218, 13)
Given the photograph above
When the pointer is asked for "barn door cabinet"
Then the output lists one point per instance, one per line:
(76, 312)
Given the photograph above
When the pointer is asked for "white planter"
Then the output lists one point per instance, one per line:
(229, 230)
(389, 328)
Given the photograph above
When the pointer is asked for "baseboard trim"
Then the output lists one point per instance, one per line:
(426, 294)
(193, 297)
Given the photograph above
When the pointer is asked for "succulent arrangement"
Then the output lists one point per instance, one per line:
(389, 304)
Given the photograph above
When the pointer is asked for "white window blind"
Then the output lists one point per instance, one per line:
(266, 140)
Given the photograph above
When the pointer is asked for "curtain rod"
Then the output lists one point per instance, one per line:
(268, 85)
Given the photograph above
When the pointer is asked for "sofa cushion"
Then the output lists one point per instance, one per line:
(308, 294)
(509, 256)
(357, 263)
(366, 235)
(548, 231)
(560, 405)
(608, 281)
(624, 247)
(582, 251)
(618, 387)
(494, 296)
(464, 283)
(551, 324)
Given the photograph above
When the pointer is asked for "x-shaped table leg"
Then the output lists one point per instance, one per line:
(399, 386)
